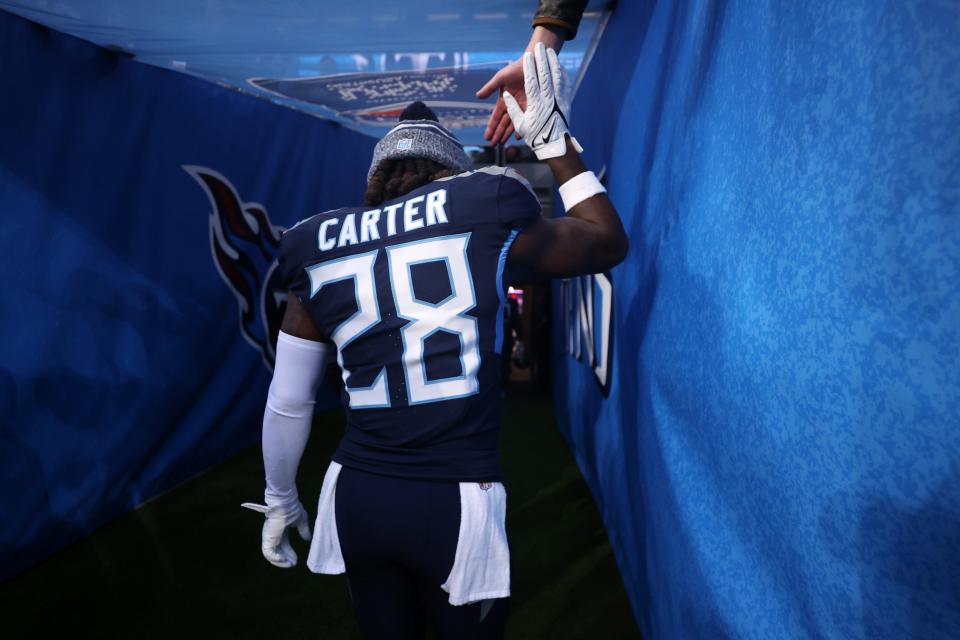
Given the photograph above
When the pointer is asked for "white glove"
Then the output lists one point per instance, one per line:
(275, 544)
(543, 126)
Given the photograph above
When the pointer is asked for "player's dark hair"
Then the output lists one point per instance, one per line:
(397, 176)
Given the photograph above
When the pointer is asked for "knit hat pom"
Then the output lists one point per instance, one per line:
(418, 111)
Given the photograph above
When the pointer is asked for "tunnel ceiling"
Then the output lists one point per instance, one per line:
(358, 63)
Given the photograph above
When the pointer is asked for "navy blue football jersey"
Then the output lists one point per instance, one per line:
(412, 293)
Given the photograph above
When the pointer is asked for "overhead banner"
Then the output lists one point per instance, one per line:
(379, 98)
(141, 214)
(778, 452)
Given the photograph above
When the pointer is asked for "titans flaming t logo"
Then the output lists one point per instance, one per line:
(245, 246)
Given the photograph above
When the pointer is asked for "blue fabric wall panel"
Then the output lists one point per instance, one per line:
(779, 455)
(123, 370)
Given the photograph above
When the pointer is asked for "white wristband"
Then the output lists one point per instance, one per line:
(579, 188)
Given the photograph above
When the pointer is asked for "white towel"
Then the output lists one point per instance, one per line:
(481, 567)
(325, 555)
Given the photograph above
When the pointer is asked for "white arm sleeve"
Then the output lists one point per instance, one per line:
(297, 374)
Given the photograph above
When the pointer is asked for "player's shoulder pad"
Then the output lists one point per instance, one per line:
(315, 218)
(511, 177)
(517, 202)
(491, 174)
(506, 191)
(299, 241)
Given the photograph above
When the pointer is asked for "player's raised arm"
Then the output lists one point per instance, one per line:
(554, 22)
(591, 238)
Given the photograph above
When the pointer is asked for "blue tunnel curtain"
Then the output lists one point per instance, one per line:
(778, 451)
(769, 418)
(140, 212)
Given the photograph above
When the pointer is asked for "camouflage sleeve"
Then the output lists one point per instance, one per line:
(565, 14)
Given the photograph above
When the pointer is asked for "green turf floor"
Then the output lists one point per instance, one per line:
(188, 564)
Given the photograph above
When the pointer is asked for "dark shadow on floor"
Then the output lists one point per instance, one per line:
(188, 564)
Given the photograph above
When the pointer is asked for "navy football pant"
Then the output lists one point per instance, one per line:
(398, 537)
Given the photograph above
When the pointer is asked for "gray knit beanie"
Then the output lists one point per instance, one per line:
(419, 135)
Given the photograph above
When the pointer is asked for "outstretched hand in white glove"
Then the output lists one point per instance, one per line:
(543, 126)
(275, 542)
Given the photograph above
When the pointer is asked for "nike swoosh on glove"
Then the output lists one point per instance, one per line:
(543, 126)
(275, 543)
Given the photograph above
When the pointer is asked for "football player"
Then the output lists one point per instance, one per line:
(408, 291)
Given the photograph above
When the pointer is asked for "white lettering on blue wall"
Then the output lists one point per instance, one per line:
(586, 305)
